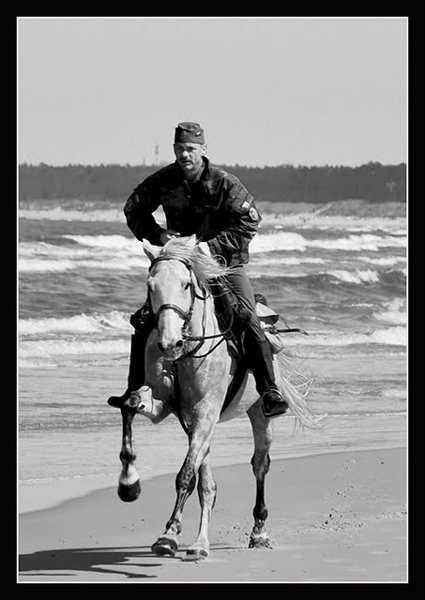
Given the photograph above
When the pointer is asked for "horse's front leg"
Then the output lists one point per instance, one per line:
(207, 491)
(262, 429)
(199, 444)
(129, 480)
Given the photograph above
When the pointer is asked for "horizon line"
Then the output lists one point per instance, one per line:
(238, 165)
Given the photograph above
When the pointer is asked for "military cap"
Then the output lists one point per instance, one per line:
(189, 132)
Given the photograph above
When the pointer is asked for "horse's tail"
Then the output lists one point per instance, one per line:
(295, 384)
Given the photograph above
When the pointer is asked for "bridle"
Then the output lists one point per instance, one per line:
(186, 316)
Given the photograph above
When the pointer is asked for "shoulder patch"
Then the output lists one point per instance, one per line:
(253, 214)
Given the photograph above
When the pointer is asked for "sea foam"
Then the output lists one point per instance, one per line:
(117, 252)
(394, 312)
(356, 276)
(114, 321)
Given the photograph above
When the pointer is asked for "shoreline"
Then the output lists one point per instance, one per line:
(45, 494)
(338, 516)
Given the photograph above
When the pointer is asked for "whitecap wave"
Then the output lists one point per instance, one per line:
(109, 335)
(391, 336)
(126, 253)
(394, 312)
(59, 347)
(356, 276)
(353, 243)
(114, 321)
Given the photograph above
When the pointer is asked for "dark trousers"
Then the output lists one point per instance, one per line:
(256, 346)
(241, 285)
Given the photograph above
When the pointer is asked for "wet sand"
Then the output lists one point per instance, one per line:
(336, 517)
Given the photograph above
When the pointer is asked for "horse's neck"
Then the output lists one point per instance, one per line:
(204, 320)
(212, 318)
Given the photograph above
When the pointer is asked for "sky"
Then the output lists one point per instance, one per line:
(267, 91)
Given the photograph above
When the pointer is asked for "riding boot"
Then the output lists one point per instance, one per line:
(261, 362)
(136, 372)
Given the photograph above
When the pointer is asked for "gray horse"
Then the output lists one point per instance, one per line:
(188, 372)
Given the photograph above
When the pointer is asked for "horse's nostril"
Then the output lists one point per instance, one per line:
(178, 345)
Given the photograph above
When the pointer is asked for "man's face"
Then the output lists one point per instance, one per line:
(189, 157)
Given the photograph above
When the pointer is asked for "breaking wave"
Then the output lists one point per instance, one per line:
(121, 252)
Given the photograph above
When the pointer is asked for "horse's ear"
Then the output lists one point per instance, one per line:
(151, 252)
(190, 241)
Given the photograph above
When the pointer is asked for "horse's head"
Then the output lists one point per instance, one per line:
(172, 286)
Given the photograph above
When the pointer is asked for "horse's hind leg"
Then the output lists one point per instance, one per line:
(129, 481)
(263, 436)
(207, 491)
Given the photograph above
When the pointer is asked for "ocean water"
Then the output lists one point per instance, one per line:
(82, 274)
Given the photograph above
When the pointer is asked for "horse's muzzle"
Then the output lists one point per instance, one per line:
(171, 351)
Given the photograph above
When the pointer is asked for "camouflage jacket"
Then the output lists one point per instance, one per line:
(216, 207)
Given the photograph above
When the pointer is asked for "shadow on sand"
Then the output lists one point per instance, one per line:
(117, 561)
(132, 562)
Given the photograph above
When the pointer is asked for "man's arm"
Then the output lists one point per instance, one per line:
(138, 211)
(242, 221)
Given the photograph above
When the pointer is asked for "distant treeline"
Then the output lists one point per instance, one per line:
(373, 182)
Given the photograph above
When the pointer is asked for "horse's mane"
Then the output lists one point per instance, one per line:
(205, 268)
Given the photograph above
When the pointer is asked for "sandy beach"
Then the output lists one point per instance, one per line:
(337, 517)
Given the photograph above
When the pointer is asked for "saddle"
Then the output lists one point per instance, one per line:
(231, 317)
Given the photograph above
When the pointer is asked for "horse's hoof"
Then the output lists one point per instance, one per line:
(129, 493)
(165, 547)
(259, 540)
(116, 401)
(195, 554)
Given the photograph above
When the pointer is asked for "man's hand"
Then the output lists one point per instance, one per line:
(167, 235)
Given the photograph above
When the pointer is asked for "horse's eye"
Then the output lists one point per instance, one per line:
(186, 285)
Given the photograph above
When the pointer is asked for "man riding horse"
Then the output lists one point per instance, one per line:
(202, 199)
